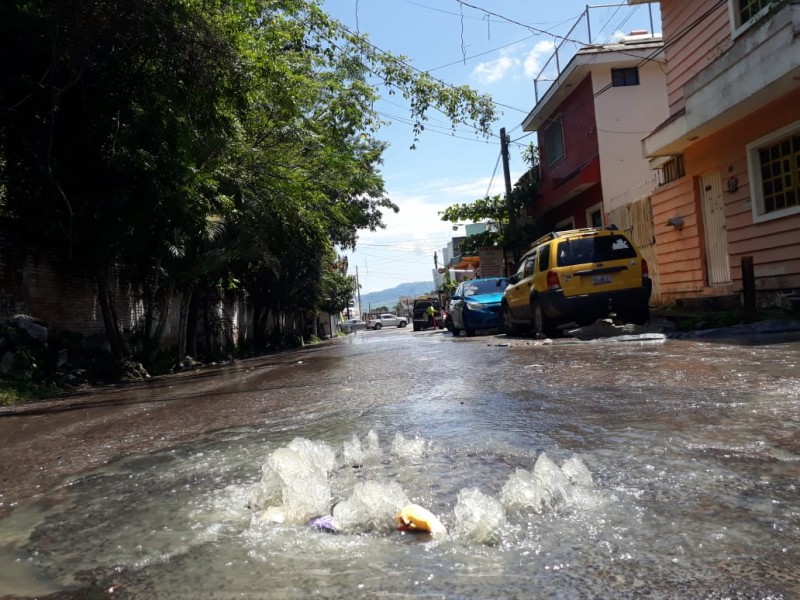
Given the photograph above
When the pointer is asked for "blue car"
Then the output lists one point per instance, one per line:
(476, 305)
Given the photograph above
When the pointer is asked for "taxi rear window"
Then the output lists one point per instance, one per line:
(594, 249)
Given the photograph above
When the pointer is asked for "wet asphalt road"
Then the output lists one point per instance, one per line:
(44, 443)
(694, 445)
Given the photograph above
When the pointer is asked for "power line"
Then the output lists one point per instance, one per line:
(649, 57)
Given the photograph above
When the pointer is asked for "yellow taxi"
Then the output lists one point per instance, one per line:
(578, 275)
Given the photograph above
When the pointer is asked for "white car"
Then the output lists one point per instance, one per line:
(386, 320)
(353, 325)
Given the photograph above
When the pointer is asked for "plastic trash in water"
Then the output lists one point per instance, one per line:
(415, 518)
(324, 523)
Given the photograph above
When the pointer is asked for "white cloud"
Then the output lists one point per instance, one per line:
(493, 70)
(537, 57)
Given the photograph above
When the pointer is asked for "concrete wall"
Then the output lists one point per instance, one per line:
(624, 116)
(40, 282)
(580, 144)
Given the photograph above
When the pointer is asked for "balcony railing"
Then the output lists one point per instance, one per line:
(567, 46)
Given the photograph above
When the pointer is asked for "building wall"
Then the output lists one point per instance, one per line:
(681, 268)
(39, 282)
(577, 208)
(773, 244)
(693, 42)
(580, 143)
(624, 116)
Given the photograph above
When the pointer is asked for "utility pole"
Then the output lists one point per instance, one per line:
(512, 214)
(358, 291)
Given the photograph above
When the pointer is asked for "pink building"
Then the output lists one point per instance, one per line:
(728, 154)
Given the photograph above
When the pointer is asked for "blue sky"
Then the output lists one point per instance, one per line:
(497, 47)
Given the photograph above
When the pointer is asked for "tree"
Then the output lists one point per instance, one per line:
(186, 145)
(496, 210)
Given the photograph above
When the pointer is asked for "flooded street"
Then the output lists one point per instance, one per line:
(691, 487)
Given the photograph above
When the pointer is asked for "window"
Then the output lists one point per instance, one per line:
(672, 170)
(594, 216)
(529, 264)
(604, 248)
(745, 12)
(774, 165)
(568, 223)
(488, 286)
(544, 258)
(521, 270)
(554, 142)
(626, 76)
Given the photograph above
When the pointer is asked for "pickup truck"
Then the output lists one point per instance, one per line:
(386, 320)
(422, 319)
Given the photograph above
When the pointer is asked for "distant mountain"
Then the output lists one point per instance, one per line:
(391, 297)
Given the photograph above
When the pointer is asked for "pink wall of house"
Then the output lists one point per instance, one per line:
(773, 244)
(704, 56)
(696, 34)
(680, 254)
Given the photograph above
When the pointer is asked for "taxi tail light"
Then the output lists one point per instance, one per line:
(552, 281)
(645, 270)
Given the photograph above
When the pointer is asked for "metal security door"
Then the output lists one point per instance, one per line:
(717, 260)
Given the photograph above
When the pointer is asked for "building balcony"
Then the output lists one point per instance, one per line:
(762, 65)
(559, 190)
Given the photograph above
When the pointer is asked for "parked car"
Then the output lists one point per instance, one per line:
(476, 305)
(420, 315)
(386, 320)
(353, 325)
(579, 275)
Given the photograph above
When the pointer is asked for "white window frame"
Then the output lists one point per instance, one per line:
(738, 28)
(754, 174)
(593, 209)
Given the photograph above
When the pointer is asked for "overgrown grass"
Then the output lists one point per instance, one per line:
(20, 392)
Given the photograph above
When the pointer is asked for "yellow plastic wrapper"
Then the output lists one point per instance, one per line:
(415, 518)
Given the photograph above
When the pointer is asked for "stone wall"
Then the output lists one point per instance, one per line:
(41, 282)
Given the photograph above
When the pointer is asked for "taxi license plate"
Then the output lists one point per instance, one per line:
(600, 279)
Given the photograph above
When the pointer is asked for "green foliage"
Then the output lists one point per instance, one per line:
(337, 291)
(203, 144)
(19, 392)
(513, 231)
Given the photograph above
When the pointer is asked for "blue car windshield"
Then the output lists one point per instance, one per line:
(487, 286)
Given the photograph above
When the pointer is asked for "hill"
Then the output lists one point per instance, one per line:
(392, 296)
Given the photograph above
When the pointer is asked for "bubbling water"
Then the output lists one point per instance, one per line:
(298, 479)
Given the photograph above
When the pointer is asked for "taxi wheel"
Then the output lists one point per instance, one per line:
(541, 322)
(509, 328)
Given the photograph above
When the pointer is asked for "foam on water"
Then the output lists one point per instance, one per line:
(547, 487)
(371, 508)
(412, 449)
(297, 482)
(479, 517)
(294, 482)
